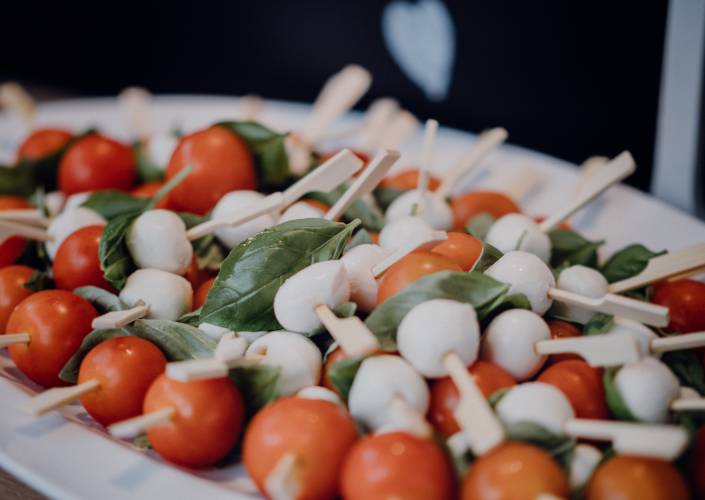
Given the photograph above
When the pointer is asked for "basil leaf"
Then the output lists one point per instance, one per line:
(384, 196)
(568, 248)
(628, 262)
(115, 259)
(599, 324)
(361, 237)
(503, 303)
(38, 281)
(488, 256)
(257, 384)
(687, 367)
(147, 171)
(242, 296)
(101, 299)
(615, 403)
(192, 318)
(370, 216)
(111, 204)
(558, 446)
(480, 225)
(342, 373)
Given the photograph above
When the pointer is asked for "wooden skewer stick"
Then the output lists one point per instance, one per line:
(133, 427)
(117, 319)
(587, 169)
(397, 130)
(251, 106)
(677, 342)
(354, 338)
(596, 350)
(405, 417)
(59, 396)
(136, 103)
(427, 157)
(377, 117)
(13, 96)
(25, 230)
(30, 216)
(404, 250)
(9, 339)
(688, 404)
(522, 183)
(282, 482)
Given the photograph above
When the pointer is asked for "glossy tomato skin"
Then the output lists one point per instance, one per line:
(42, 142)
(206, 424)
(11, 248)
(514, 471)
(444, 395)
(149, 189)
(468, 205)
(582, 385)
(410, 268)
(57, 321)
(12, 290)
(77, 263)
(201, 294)
(686, 302)
(408, 179)
(319, 433)
(125, 367)
(197, 276)
(561, 330)
(626, 477)
(396, 465)
(221, 163)
(461, 248)
(96, 162)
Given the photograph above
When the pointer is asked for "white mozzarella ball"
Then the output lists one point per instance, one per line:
(233, 204)
(403, 231)
(318, 392)
(76, 200)
(301, 210)
(519, 232)
(641, 333)
(157, 240)
(526, 274)
(230, 346)
(434, 328)
(583, 463)
(359, 262)
(169, 296)
(431, 207)
(537, 403)
(297, 356)
(509, 342)
(320, 283)
(160, 146)
(584, 281)
(378, 381)
(68, 222)
(54, 202)
(214, 331)
(647, 388)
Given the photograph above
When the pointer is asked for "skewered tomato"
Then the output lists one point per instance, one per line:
(199, 298)
(76, 262)
(197, 276)
(410, 268)
(408, 179)
(42, 142)
(331, 359)
(12, 290)
(559, 330)
(461, 248)
(468, 205)
(685, 300)
(581, 384)
(11, 248)
(149, 189)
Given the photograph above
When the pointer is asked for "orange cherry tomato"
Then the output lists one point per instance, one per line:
(410, 268)
(581, 384)
(686, 301)
(207, 420)
(12, 290)
(56, 321)
(76, 262)
(318, 433)
(560, 330)
(637, 478)
(197, 276)
(331, 359)
(468, 205)
(374, 236)
(11, 248)
(201, 294)
(515, 471)
(461, 248)
(125, 367)
(396, 465)
(96, 162)
(221, 163)
(444, 395)
(149, 189)
(408, 179)
(317, 204)
(698, 469)
(42, 142)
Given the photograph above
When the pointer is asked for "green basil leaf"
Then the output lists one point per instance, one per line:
(560, 447)
(111, 204)
(192, 318)
(687, 367)
(385, 196)
(101, 299)
(503, 303)
(497, 396)
(615, 403)
(568, 248)
(370, 216)
(480, 225)
(115, 259)
(342, 373)
(168, 186)
(599, 324)
(488, 256)
(147, 171)
(361, 237)
(257, 384)
(628, 262)
(242, 296)
(38, 281)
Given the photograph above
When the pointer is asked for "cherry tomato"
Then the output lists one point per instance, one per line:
(331, 359)
(396, 465)
(637, 478)
(317, 204)
(468, 205)
(125, 367)
(581, 384)
(318, 433)
(444, 395)
(197, 276)
(201, 294)
(221, 163)
(698, 470)
(12, 290)
(11, 248)
(410, 268)
(96, 162)
(686, 301)
(77, 263)
(56, 321)
(206, 424)
(408, 179)
(374, 236)
(149, 189)
(515, 471)
(42, 142)
(461, 248)
(560, 330)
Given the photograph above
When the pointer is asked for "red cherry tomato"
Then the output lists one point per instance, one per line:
(444, 395)
(318, 433)
(76, 262)
(686, 301)
(11, 248)
(149, 189)
(56, 321)
(581, 384)
(197, 276)
(408, 179)
(461, 248)
(96, 162)
(396, 465)
(468, 205)
(410, 268)
(125, 367)
(221, 163)
(331, 359)
(42, 142)
(560, 330)
(206, 424)
(201, 294)
(12, 290)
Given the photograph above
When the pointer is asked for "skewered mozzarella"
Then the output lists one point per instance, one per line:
(403, 231)
(537, 403)
(642, 334)
(519, 232)
(431, 207)
(157, 240)
(526, 274)
(68, 222)
(584, 281)
(318, 392)
(168, 295)
(582, 465)
(359, 262)
(647, 388)
(234, 203)
(301, 210)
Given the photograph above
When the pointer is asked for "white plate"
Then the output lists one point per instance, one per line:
(65, 459)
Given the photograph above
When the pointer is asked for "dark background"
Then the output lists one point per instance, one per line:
(569, 78)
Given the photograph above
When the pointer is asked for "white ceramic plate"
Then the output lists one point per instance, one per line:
(73, 458)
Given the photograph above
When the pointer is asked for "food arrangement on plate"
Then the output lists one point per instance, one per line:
(239, 294)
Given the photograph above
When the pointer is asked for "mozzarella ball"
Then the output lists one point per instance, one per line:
(214, 331)
(54, 202)
(318, 392)
(582, 465)
(584, 281)
(378, 381)
(647, 388)
(537, 403)
(230, 347)
(76, 200)
(299, 359)
(510, 340)
(519, 232)
(320, 283)
(526, 274)
(168, 295)
(233, 204)
(403, 231)
(358, 262)
(301, 210)
(642, 334)
(157, 240)
(431, 207)
(68, 222)
(434, 328)
(159, 148)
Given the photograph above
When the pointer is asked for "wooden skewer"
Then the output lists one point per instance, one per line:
(596, 350)
(136, 103)
(118, 319)
(30, 216)
(16, 98)
(25, 230)
(229, 353)
(522, 183)
(427, 157)
(251, 106)
(677, 342)
(14, 338)
(587, 169)
(133, 427)
(282, 482)
(354, 338)
(378, 116)
(59, 396)
(398, 130)
(404, 250)
(405, 417)
(688, 404)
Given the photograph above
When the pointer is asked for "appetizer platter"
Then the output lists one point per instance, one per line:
(205, 296)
